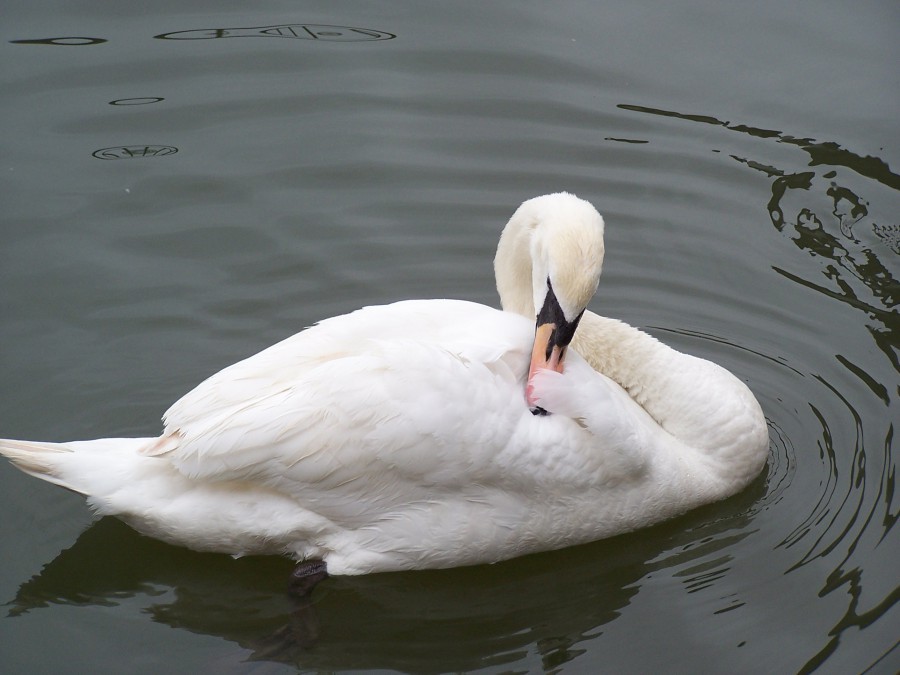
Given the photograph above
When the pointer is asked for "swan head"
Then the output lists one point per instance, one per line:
(548, 266)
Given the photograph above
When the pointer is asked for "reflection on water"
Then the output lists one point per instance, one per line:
(857, 502)
(854, 262)
(554, 605)
(142, 100)
(463, 619)
(828, 154)
(798, 572)
(62, 41)
(295, 31)
(132, 151)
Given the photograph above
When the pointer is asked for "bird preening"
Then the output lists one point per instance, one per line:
(435, 433)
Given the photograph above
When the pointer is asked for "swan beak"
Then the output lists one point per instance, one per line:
(552, 335)
(547, 354)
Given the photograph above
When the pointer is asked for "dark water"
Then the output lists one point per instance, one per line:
(182, 186)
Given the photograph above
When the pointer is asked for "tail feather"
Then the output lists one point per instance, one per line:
(36, 459)
(86, 467)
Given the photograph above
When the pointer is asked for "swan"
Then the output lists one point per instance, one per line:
(435, 433)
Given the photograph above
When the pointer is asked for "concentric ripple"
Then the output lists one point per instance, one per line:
(308, 168)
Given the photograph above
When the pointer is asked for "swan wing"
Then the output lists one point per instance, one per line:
(620, 429)
(380, 398)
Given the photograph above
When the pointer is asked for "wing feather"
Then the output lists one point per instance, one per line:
(362, 408)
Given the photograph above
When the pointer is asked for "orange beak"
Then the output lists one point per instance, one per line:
(546, 354)
(552, 334)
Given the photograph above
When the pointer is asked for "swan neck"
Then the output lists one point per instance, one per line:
(621, 352)
(513, 267)
(701, 404)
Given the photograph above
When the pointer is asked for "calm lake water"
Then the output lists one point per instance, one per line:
(183, 184)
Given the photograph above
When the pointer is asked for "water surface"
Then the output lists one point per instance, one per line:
(183, 186)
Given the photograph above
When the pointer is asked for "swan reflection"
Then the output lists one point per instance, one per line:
(464, 618)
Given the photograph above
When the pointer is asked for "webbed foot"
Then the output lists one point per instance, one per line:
(306, 576)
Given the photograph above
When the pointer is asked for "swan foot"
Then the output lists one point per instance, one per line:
(306, 576)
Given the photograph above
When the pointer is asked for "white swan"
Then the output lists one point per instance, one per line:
(413, 435)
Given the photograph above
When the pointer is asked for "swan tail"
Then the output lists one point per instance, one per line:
(68, 465)
(36, 459)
